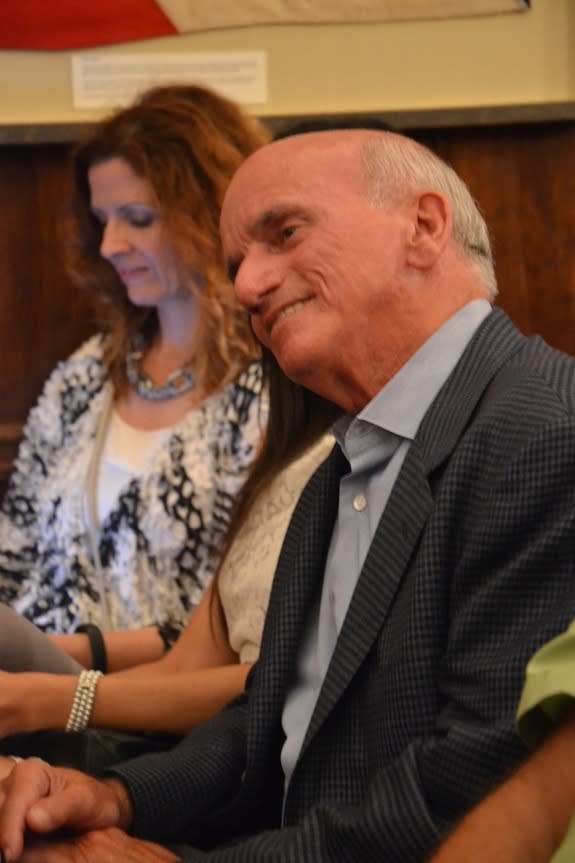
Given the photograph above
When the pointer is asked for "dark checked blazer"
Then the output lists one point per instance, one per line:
(472, 567)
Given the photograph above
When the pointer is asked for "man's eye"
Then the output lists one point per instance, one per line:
(288, 232)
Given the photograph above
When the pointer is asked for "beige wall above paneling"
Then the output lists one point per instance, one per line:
(509, 59)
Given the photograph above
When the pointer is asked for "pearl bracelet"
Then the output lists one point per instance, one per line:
(83, 700)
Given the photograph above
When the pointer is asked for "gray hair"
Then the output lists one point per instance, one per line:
(393, 165)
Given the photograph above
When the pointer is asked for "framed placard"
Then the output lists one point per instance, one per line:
(109, 80)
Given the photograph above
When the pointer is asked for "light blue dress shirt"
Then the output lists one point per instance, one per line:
(375, 442)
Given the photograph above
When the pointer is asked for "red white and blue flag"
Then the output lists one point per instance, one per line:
(73, 24)
(69, 24)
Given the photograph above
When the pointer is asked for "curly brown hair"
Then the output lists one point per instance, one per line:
(187, 143)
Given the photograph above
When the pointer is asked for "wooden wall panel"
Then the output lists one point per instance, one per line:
(523, 180)
(521, 176)
(42, 319)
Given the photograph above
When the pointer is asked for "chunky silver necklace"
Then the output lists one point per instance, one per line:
(178, 382)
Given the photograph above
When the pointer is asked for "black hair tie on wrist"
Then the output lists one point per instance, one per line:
(169, 634)
(97, 646)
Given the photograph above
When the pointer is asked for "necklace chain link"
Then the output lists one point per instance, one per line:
(178, 382)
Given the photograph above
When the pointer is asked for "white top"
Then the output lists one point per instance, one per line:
(125, 454)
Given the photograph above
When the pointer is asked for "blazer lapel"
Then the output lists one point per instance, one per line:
(395, 539)
(410, 504)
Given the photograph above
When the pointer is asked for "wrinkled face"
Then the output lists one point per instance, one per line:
(316, 265)
(134, 239)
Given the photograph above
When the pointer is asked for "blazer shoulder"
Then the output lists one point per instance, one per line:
(549, 373)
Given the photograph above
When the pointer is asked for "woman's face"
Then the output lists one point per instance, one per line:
(134, 240)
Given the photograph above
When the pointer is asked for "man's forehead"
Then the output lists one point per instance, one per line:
(282, 172)
(321, 141)
(299, 151)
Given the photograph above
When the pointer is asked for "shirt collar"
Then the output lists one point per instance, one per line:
(401, 404)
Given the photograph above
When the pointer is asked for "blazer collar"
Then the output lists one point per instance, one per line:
(492, 346)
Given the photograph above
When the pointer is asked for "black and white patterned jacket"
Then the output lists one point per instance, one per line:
(160, 544)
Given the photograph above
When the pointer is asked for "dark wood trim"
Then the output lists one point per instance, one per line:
(433, 118)
(450, 118)
(10, 432)
(10, 435)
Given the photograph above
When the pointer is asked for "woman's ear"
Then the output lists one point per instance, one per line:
(432, 223)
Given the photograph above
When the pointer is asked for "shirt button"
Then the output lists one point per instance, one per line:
(359, 502)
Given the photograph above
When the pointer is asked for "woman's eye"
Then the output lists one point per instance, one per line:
(142, 221)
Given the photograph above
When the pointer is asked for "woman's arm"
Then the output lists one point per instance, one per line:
(184, 687)
(174, 703)
(171, 702)
(202, 643)
(124, 649)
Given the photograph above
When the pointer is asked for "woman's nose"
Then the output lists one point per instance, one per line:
(114, 239)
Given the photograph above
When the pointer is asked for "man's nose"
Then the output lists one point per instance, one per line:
(259, 275)
(114, 239)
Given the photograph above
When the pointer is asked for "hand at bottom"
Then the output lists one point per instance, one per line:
(109, 845)
(43, 799)
(6, 766)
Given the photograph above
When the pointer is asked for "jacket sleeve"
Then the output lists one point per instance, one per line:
(184, 795)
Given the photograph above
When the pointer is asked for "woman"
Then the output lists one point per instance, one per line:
(141, 441)
(209, 663)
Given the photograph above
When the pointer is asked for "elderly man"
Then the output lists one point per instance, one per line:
(426, 561)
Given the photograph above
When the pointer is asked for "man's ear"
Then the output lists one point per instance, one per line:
(431, 229)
